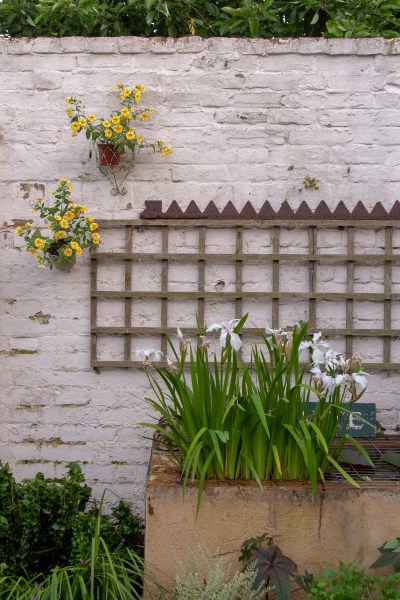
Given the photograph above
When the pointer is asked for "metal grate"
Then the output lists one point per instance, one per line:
(381, 473)
(238, 259)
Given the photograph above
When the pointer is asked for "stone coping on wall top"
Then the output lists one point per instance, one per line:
(158, 45)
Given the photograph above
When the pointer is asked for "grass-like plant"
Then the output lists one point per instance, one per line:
(223, 418)
(105, 574)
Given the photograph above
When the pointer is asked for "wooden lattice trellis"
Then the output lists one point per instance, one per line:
(203, 225)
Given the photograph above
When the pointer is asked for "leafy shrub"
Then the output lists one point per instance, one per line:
(43, 523)
(175, 18)
(351, 582)
(205, 579)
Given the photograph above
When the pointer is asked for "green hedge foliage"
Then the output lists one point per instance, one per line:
(206, 18)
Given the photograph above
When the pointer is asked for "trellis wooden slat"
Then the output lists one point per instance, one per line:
(128, 288)
(332, 332)
(93, 310)
(312, 276)
(282, 257)
(239, 272)
(115, 364)
(275, 278)
(387, 306)
(276, 258)
(234, 295)
(164, 289)
(350, 290)
(201, 275)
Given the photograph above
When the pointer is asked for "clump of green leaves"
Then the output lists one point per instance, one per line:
(227, 419)
(275, 571)
(351, 582)
(45, 523)
(390, 555)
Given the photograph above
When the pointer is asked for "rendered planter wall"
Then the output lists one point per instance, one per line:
(342, 525)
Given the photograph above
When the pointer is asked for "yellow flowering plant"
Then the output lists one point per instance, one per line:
(71, 230)
(119, 129)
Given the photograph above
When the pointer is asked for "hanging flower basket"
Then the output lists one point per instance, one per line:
(70, 230)
(61, 260)
(108, 155)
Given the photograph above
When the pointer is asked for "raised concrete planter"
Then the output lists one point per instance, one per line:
(342, 525)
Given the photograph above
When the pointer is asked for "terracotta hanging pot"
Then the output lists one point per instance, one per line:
(108, 155)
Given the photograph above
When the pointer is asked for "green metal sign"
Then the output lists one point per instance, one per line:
(357, 426)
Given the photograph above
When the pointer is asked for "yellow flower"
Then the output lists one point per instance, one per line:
(92, 118)
(106, 124)
(18, 231)
(28, 225)
(167, 151)
(70, 100)
(108, 133)
(82, 122)
(93, 226)
(57, 217)
(83, 208)
(79, 251)
(115, 119)
(137, 95)
(69, 215)
(59, 235)
(126, 113)
(152, 111)
(141, 87)
(39, 200)
(89, 219)
(49, 226)
(144, 116)
(118, 128)
(130, 135)
(126, 92)
(118, 86)
(67, 251)
(140, 139)
(64, 223)
(95, 238)
(32, 251)
(74, 205)
(74, 245)
(69, 112)
(39, 243)
(75, 126)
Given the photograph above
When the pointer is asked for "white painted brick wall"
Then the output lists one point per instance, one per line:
(238, 113)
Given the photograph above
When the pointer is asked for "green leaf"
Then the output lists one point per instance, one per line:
(393, 458)
(254, 26)
(343, 472)
(360, 448)
(31, 21)
(273, 567)
(277, 459)
(315, 18)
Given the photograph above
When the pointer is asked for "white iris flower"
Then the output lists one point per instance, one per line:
(227, 328)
